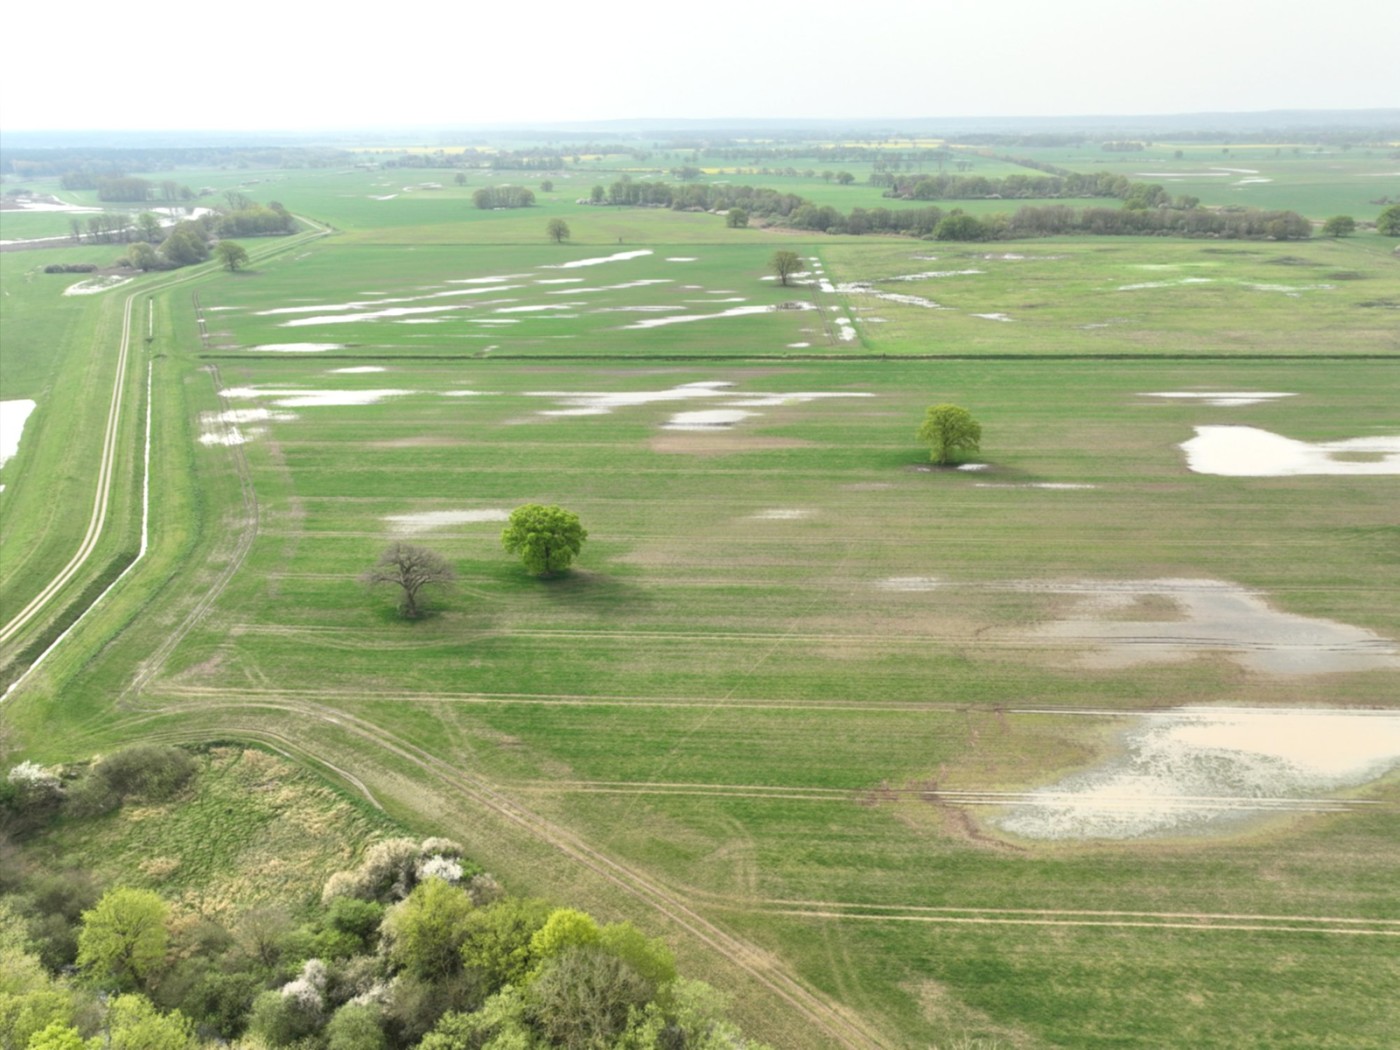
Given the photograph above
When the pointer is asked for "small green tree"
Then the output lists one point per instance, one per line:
(737, 219)
(123, 937)
(1339, 226)
(230, 255)
(547, 538)
(558, 230)
(410, 569)
(949, 430)
(785, 264)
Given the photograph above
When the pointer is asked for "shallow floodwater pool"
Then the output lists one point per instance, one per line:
(1206, 768)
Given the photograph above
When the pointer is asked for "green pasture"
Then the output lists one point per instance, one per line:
(1096, 297)
(722, 697)
(737, 691)
(22, 225)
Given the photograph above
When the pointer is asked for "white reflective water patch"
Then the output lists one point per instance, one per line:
(13, 415)
(1248, 452)
(1200, 768)
(426, 521)
(615, 257)
(1222, 398)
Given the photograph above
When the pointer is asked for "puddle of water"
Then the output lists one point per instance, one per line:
(362, 304)
(13, 415)
(1201, 769)
(614, 287)
(297, 348)
(1215, 617)
(1223, 398)
(615, 257)
(706, 419)
(736, 311)
(95, 284)
(1247, 452)
(293, 398)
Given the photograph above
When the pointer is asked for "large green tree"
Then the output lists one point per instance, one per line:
(231, 255)
(1339, 226)
(547, 538)
(1389, 221)
(123, 938)
(950, 430)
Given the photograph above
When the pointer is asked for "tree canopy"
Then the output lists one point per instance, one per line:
(123, 937)
(547, 538)
(231, 256)
(558, 230)
(950, 430)
(1339, 226)
(785, 264)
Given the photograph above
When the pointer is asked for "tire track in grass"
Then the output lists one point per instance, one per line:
(243, 543)
(846, 1030)
(963, 915)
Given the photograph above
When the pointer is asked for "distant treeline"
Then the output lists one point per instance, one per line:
(96, 161)
(1147, 210)
(1053, 219)
(979, 187)
(503, 197)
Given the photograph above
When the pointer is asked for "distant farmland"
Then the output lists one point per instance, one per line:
(824, 715)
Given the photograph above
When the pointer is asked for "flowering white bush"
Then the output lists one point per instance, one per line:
(35, 777)
(309, 989)
(440, 867)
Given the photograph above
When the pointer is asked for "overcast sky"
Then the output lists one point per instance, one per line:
(259, 64)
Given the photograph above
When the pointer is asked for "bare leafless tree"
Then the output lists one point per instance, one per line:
(410, 569)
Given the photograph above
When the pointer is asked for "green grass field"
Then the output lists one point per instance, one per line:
(788, 641)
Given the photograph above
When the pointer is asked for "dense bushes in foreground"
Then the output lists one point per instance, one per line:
(412, 947)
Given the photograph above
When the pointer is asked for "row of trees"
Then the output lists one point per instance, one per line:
(1040, 186)
(503, 197)
(413, 947)
(754, 200)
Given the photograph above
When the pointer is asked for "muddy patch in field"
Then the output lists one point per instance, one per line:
(781, 514)
(1210, 617)
(1248, 452)
(720, 443)
(431, 520)
(236, 426)
(706, 419)
(1207, 769)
